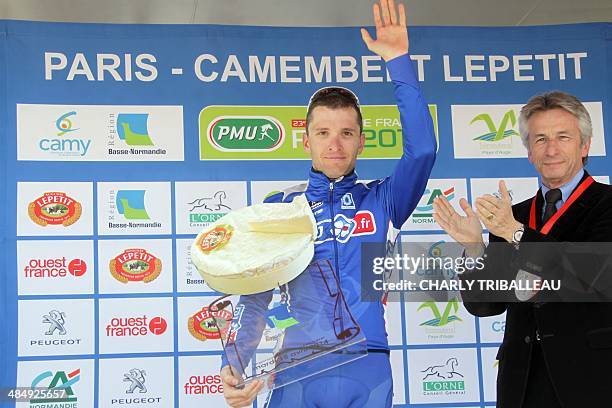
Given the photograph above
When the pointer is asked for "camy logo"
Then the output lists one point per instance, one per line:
(443, 379)
(54, 268)
(130, 204)
(203, 385)
(440, 319)
(345, 228)
(209, 324)
(132, 129)
(54, 208)
(135, 326)
(496, 134)
(424, 213)
(64, 146)
(498, 326)
(135, 265)
(246, 133)
(60, 381)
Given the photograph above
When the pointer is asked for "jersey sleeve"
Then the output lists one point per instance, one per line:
(402, 190)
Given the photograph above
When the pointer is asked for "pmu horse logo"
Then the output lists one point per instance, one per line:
(55, 208)
(136, 378)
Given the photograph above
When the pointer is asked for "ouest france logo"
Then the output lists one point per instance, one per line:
(65, 142)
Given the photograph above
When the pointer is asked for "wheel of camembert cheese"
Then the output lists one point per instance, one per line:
(256, 248)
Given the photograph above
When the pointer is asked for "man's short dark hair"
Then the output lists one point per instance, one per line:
(334, 97)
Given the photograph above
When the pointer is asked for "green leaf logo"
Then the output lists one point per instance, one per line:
(496, 134)
(441, 319)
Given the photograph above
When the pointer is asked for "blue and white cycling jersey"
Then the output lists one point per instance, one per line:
(349, 213)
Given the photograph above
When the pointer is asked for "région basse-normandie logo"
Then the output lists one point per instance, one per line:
(130, 204)
(54, 208)
(58, 381)
(132, 129)
(276, 132)
(135, 265)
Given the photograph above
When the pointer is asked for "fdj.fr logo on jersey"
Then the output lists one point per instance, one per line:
(423, 213)
(246, 133)
(496, 137)
(59, 381)
(132, 129)
(344, 228)
(65, 142)
(443, 379)
(208, 209)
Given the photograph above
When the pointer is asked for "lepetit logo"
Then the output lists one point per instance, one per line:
(209, 324)
(60, 267)
(136, 326)
(55, 208)
(135, 265)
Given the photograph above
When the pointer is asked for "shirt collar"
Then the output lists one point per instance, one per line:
(567, 188)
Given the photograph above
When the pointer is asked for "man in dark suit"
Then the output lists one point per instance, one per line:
(554, 354)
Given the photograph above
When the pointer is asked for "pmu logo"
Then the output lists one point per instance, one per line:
(496, 133)
(136, 326)
(423, 213)
(130, 204)
(132, 129)
(345, 228)
(60, 381)
(246, 133)
(54, 208)
(203, 385)
(135, 265)
(208, 209)
(54, 268)
(440, 319)
(209, 324)
(443, 379)
(64, 146)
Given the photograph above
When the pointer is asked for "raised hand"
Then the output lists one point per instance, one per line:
(496, 213)
(391, 34)
(466, 230)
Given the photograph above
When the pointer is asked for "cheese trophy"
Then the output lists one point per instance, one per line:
(291, 320)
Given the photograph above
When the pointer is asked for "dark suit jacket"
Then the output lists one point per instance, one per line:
(576, 338)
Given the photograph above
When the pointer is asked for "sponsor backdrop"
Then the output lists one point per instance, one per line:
(120, 143)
